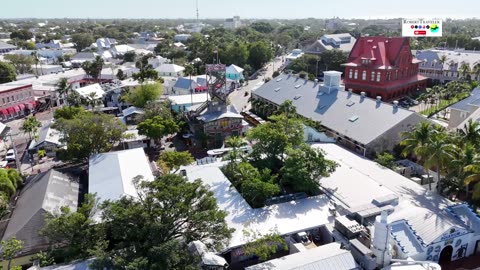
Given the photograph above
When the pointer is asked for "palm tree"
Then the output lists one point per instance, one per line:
(470, 132)
(189, 70)
(439, 153)
(235, 143)
(476, 71)
(474, 176)
(63, 87)
(415, 143)
(464, 157)
(288, 109)
(30, 126)
(464, 71)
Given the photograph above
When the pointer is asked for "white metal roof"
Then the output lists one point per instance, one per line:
(111, 174)
(93, 88)
(132, 110)
(188, 99)
(234, 69)
(328, 256)
(170, 68)
(285, 218)
(357, 174)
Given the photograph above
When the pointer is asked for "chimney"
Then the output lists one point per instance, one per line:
(379, 99)
(381, 240)
(362, 94)
(395, 104)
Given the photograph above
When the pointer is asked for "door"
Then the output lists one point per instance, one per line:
(446, 255)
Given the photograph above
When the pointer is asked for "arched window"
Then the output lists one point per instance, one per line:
(364, 75)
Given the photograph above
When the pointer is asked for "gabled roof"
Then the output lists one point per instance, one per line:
(184, 83)
(233, 69)
(329, 256)
(93, 88)
(111, 174)
(465, 104)
(45, 193)
(4, 45)
(84, 56)
(170, 68)
(335, 110)
(82, 265)
(384, 50)
(47, 134)
(132, 110)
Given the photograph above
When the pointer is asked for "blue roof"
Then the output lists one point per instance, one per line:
(473, 99)
(184, 83)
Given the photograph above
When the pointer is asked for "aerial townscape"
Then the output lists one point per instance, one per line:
(255, 135)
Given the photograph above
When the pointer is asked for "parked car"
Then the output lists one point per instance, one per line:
(10, 155)
(302, 237)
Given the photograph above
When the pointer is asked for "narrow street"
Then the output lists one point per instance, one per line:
(21, 139)
(238, 97)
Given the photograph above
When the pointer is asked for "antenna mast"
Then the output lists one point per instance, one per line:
(197, 11)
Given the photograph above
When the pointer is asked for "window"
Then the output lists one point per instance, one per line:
(396, 74)
(389, 74)
(3, 100)
(364, 75)
(372, 76)
(13, 98)
(350, 73)
(378, 76)
(8, 99)
(355, 76)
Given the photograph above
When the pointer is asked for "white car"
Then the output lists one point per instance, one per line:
(10, 155)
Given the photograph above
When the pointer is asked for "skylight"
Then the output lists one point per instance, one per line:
(350, 103)
(279, 79)
(297, 97)
(277, 89)
(298, 86)
(353, 118)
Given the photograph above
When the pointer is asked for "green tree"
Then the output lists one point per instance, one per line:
(235, 143)
(129, 56)
(30, 126)
(236, 53)
(332, 60)
(464, 71)
(82, 40)
(67, 113)
(385, 159)
(44, 259)
(89, 133)
(22, 63)
(262, 27)
(415, 144)
(303, 168)
(7, 72)
(259, 54)
(172, 160)
(10, 181)
(439, 153)
(10, 249)
(22, 34)
(473, 171)
(265, 245)
(157, 127)
(272, 140)
(470, 133)
(121, 75)
(146, 70)
(72, 234)
(94, 69)
(63, 88)
(143, 94)
(257, 186)
(147, 231)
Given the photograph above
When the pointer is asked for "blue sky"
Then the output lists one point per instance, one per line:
(243, 8)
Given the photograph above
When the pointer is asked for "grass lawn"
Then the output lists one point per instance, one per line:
(443, 105)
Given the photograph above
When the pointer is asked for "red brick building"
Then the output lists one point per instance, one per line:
(383, 66)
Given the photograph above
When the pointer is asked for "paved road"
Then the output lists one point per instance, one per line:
(238, 97)
(21, 139)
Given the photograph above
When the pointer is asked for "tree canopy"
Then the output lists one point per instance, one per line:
(30, 126)
(89, 133)
(157, 127)
(82, 40)
(141, 95)
(172, 160)
(7, 72)
(22, 63)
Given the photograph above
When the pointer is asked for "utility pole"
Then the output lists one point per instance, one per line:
(15, 151)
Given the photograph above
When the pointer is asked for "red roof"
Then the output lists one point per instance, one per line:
(382, 50)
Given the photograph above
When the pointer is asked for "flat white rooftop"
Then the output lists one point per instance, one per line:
(359, 180)
(284, 218)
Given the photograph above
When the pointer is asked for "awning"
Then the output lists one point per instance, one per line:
(4, 111)
(11, 110)
(16, 108)
(21, 106)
